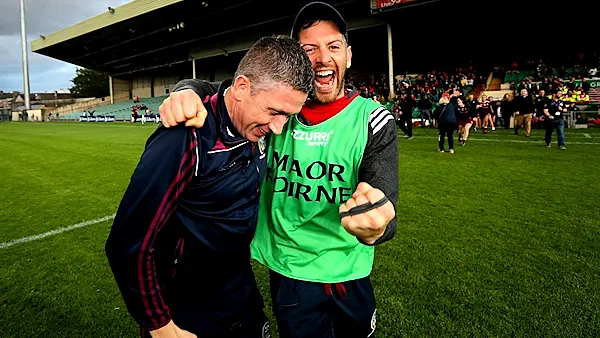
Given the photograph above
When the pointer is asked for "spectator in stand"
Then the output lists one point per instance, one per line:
(585, 86)
(524, 110)
(570, 96)
(563, 89)
(544, 83)
(583, 97)
(535, 88)
(571, 84)
(525, 85)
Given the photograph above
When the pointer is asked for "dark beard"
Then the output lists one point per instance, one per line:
(313, 95)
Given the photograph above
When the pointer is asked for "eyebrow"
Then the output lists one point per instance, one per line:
(279, 112)
(315, 45)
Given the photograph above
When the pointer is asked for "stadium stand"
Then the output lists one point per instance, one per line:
(186, 40)
(121, 110)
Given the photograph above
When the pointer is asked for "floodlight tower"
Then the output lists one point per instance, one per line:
(25, 61)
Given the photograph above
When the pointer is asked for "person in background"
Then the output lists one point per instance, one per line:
(485, 114)
(573, 110)
(524, 109)
(445, 114)
(473, 104)
(425, 105)
(554, 113)
(539, 103)
(465, 120)
(583, 97)
(494, 110)
(506, 109)
(406, 106)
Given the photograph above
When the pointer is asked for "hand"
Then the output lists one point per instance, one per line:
(551, 117)
(182, 106)
(368, 226)
(183, 333)
(171, 331)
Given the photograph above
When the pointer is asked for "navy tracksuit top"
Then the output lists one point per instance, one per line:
(182, 232)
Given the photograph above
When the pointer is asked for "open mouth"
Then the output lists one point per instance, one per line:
(324, 80)
(261, 131)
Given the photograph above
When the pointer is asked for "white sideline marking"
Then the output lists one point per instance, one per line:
(55, 231)
(534, 142)
(587, 135)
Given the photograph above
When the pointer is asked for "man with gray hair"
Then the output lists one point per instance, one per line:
(179, 247)
(524, 109)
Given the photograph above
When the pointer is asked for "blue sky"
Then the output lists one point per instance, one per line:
(42, 18)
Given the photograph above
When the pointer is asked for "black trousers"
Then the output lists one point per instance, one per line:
(317, 310)
(405, 124)
(506, 117)
(446, 130)
(226, 305)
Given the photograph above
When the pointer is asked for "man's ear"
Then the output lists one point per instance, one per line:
(348, 56)
(240, 87)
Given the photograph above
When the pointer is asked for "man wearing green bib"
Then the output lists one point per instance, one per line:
(329, 194)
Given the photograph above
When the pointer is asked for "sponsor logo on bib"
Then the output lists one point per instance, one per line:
(313, 138)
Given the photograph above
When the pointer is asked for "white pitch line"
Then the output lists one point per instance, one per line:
(532, 141)
(510, 141)
(587, 135)
(55, 231)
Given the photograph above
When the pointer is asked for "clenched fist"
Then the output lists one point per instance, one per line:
(171, 331)
(368, 226)
(182, 106)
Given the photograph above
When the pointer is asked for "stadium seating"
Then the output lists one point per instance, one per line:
(518, 77)
(120, 110)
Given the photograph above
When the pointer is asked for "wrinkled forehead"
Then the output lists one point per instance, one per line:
(282, 98)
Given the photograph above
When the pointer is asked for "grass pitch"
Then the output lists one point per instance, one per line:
(500, 239)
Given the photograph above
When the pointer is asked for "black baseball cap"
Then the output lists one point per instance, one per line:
(318, 11)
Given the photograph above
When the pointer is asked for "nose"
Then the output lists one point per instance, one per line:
(323, 56)
(276, 124)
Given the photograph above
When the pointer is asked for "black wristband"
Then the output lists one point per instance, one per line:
(360, 209)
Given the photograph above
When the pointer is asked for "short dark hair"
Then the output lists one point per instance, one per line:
(277, 59)
(306, 24)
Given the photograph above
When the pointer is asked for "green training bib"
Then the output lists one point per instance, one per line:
(311, 170)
